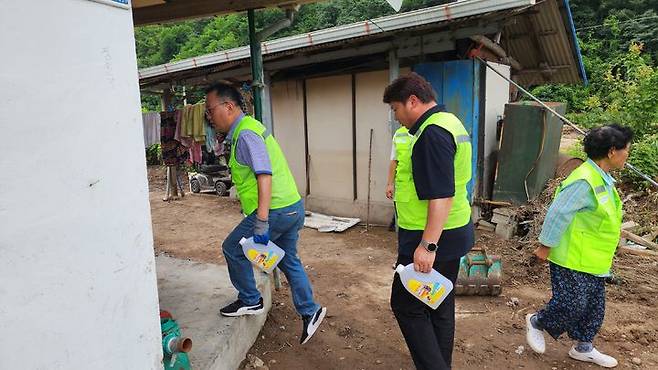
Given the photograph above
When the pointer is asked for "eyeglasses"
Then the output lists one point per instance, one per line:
(210, 109)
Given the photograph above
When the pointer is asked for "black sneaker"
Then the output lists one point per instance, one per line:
(311, 324)
(238, 308)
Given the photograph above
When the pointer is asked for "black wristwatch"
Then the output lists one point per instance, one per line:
(430, 247)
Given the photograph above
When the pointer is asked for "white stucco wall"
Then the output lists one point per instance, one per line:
(496, 96)
(77, 282)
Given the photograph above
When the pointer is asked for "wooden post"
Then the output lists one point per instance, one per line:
(171, 188)
(369, 181)
(174, 181)
(277, 279)
(167, 184)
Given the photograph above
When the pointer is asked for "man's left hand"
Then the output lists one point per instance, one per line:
(423, 259)
(390, 189)
(261, 231)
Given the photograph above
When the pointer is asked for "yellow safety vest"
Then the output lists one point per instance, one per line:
(589, 243)
(284, 189)
(411, 211)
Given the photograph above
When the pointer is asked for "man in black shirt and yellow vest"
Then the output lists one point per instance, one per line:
(435, 228)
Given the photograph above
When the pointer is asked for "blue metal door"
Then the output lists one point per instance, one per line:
(457, 84)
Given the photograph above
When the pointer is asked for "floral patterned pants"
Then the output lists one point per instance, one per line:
(577, 306)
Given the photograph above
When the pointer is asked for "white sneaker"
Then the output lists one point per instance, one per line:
(535, 337)
(593, 356)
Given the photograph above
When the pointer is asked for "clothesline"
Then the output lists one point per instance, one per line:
(192, 131)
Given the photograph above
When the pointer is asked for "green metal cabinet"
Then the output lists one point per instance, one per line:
(529, 150)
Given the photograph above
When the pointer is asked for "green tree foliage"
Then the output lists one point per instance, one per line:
(635, 20)
(618, 38)
(158, 44)
(623, 89)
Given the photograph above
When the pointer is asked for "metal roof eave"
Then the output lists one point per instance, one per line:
(576, 45)
(437, 14)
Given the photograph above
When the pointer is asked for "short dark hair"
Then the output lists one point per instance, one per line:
(411, 84)
(600, 140)
(228, 92)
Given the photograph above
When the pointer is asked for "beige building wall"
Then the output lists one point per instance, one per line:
(329, 114)
(371, 113)
(329, 117)
(288, 126)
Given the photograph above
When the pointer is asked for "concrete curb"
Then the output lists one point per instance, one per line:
(194, 292)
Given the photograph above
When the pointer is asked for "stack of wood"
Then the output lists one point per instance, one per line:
(634, 243)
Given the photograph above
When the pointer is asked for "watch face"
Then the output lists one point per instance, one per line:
(431, 247)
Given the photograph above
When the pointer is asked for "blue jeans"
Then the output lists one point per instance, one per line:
(285, 224)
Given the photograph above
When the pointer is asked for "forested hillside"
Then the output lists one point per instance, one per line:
(618, 38)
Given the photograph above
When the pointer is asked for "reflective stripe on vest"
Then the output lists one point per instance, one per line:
(412, 213)
(284, 189)
(589, 243)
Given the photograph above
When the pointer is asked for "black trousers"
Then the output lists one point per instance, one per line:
(430, 334)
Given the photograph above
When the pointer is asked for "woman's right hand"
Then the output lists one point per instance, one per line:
(542, 252)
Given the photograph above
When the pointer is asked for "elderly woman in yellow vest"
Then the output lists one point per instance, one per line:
(579, 238)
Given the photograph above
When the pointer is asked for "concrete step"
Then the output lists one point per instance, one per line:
(194, 292)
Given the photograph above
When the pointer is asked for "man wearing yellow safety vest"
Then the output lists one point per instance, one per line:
(272, 205)
(399, 148)
(433, 211)
(579, 237)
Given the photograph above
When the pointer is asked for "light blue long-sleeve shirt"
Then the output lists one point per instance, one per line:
(576, 197)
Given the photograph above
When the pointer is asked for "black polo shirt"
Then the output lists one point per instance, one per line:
(432, 163)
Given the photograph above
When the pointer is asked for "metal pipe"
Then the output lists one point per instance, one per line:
(184, 345)
(498, 50)
(256, 66)
(564, 119)
(178, 344)
(278, 26)
(255, 38)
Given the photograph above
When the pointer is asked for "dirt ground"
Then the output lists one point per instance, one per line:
(351, 275)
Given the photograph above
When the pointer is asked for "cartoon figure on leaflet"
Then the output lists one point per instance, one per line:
(264, 260)
(428, 292)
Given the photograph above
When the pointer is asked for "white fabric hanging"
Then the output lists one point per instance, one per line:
(151, 122)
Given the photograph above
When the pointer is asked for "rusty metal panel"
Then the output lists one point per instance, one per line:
(529, 151)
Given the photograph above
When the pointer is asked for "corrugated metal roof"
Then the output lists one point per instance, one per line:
(540, 39)
(550, 50)
(394, 22)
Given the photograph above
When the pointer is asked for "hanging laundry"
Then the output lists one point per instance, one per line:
(168, 126)
(151, 124)
(218, 148)
(186, 141)
(192, 122)
(211, 137)
(196, 155)
(173, 153)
